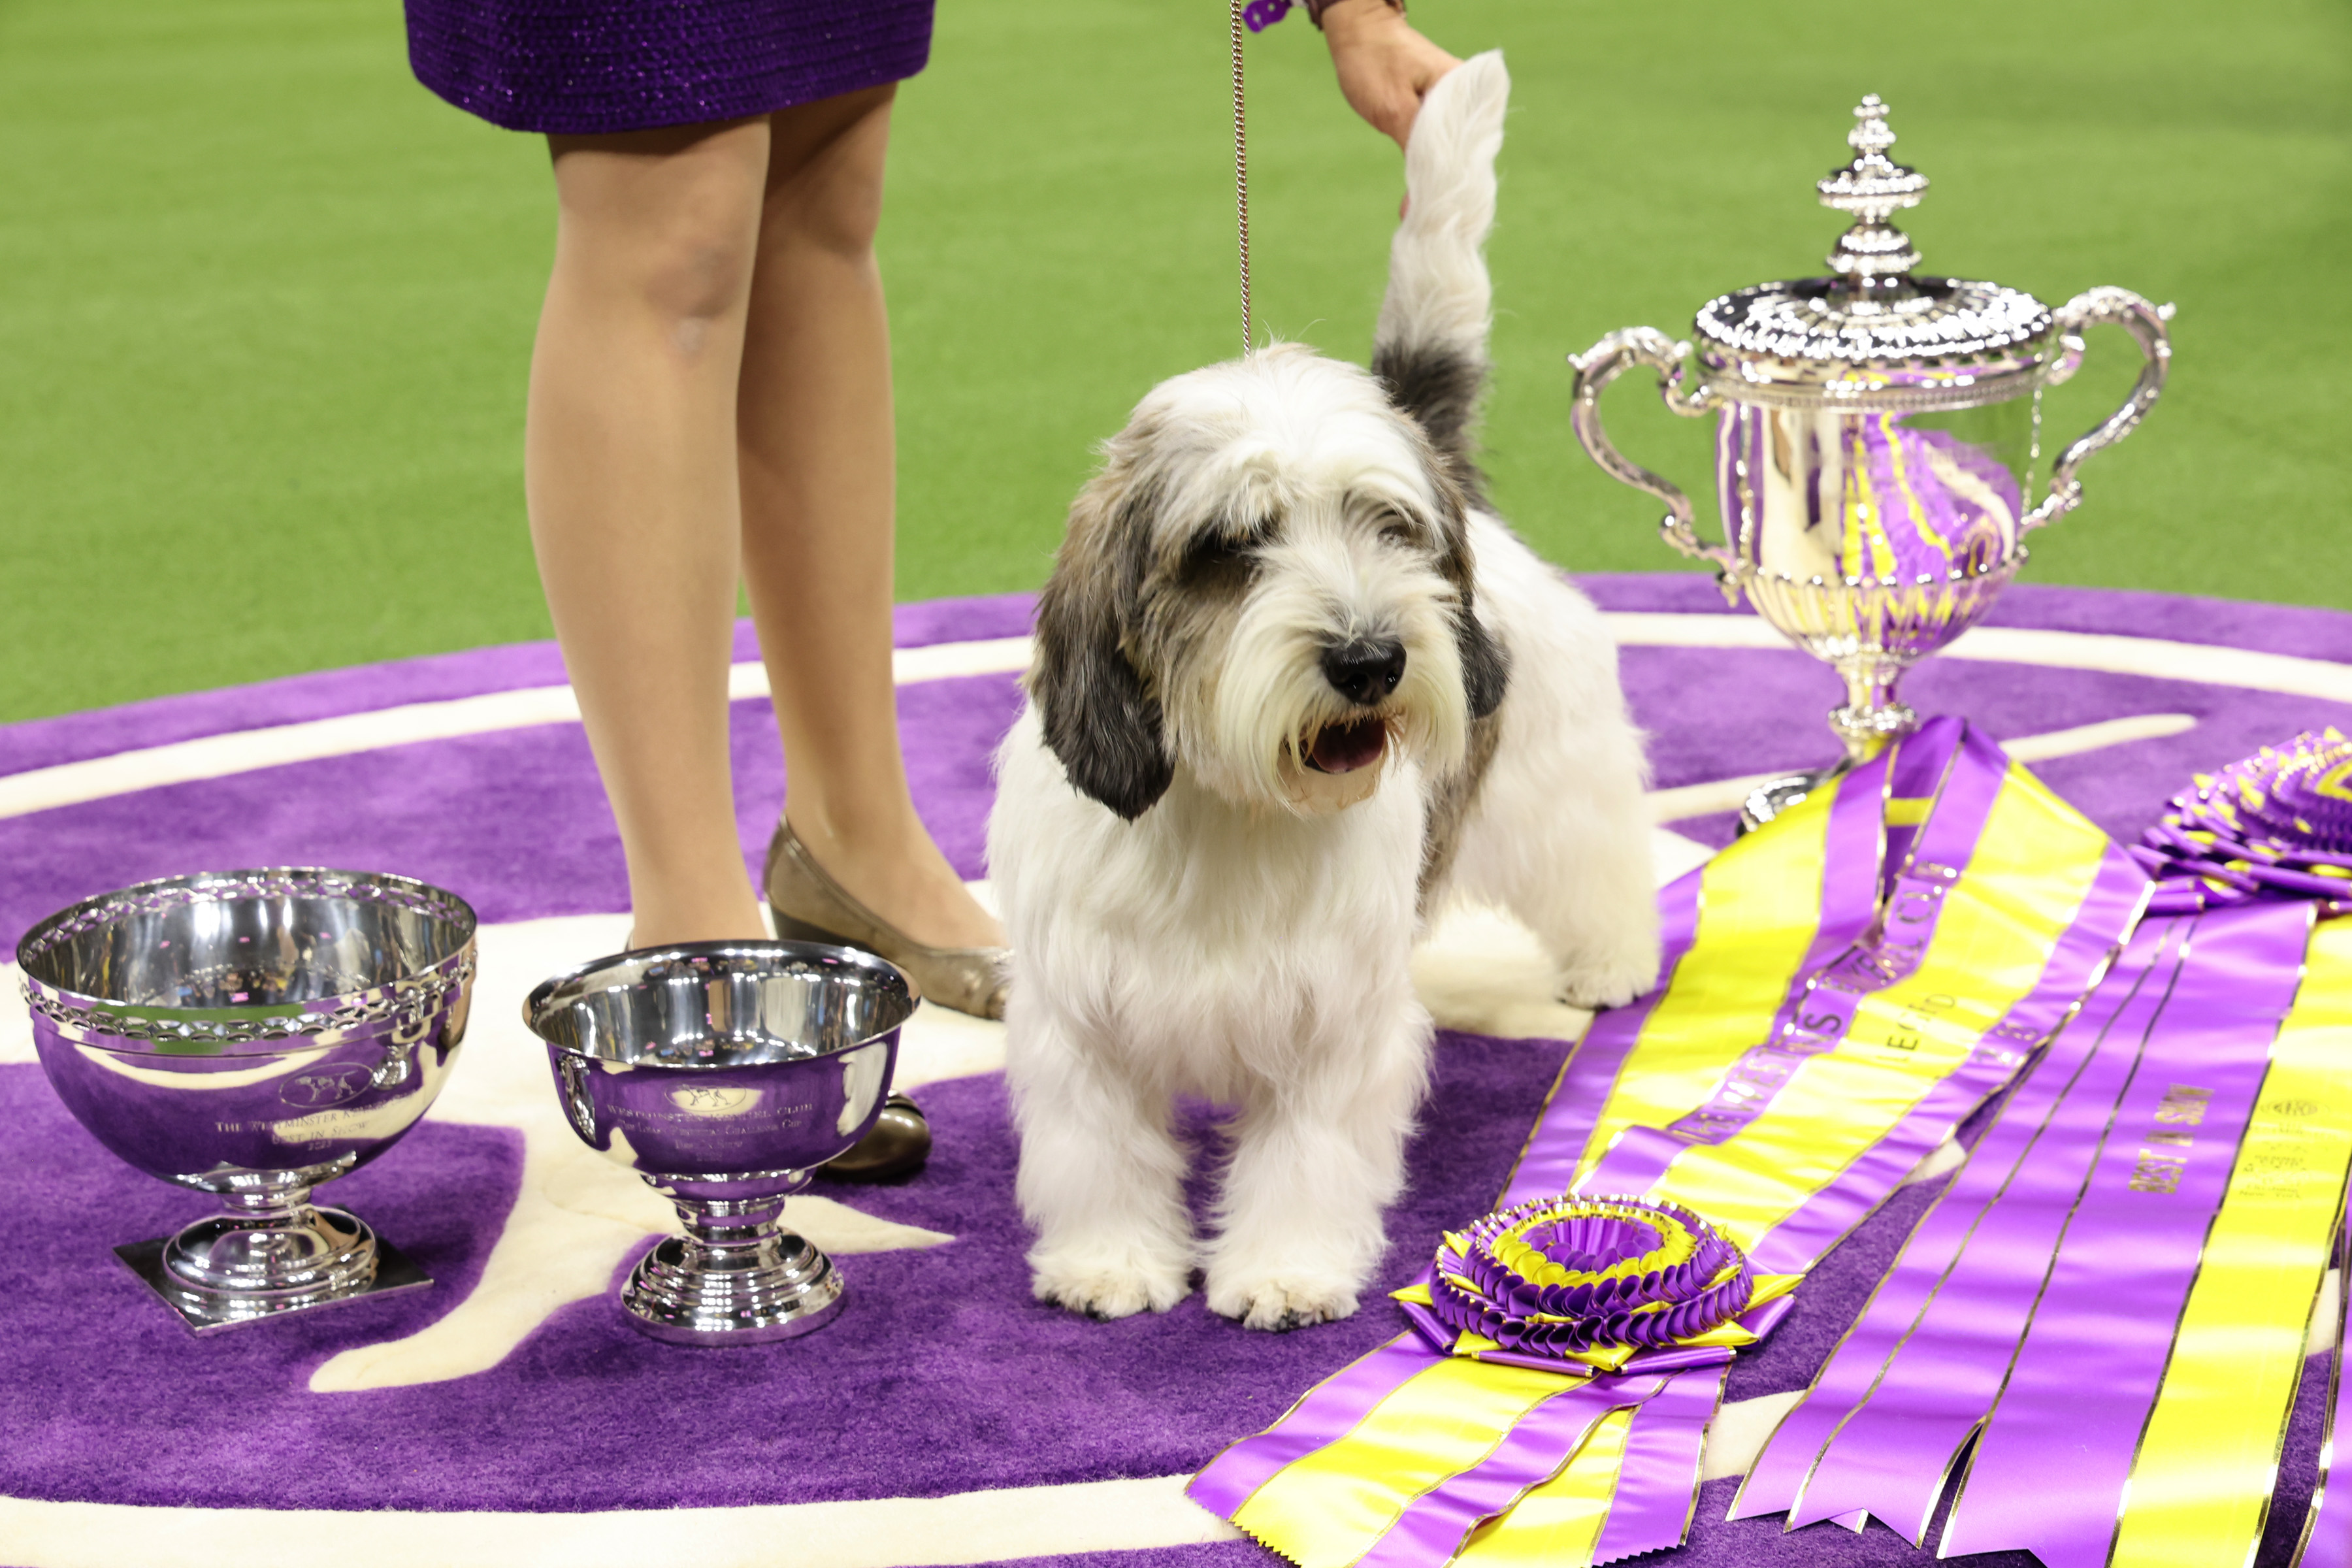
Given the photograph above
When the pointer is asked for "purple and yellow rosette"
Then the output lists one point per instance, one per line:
(1591, 1282)
(2277, 824)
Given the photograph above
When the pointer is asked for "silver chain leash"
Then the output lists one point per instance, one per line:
(1241, 176)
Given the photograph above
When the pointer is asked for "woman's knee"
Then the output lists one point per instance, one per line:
(670, 218)
(824, 171)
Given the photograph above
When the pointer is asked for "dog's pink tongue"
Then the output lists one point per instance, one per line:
(1344, 748)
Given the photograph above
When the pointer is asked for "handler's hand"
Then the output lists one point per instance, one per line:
(1385, 68)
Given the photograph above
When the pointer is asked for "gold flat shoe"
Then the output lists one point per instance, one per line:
(900, 1143)
(810, 906)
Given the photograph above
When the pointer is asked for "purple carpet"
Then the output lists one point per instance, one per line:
(942, 1376)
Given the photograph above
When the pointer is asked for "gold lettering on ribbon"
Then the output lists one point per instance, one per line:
(2182, 1103)
(2158, 1168)
(2295, 1153)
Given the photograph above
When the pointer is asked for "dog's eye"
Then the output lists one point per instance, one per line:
(1215, 552)
(1395, 530)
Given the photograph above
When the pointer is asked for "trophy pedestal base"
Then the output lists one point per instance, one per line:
(209, 1311)
(1769, 799)
(685, 1293)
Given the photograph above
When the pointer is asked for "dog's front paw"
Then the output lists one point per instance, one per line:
(1110, 1284)
(1610, 980)
(1280, 1302)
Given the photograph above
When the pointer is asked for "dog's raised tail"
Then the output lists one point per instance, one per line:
(1431, 346)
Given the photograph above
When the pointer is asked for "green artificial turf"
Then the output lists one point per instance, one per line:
(265, 305)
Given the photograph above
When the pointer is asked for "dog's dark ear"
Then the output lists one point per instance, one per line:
(1099, 718)
(1486, 664)
(1486, 668)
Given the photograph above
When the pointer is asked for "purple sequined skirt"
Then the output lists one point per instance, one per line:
(585, 66)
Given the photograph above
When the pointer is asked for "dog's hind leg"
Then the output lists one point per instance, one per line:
(1562, 841)
(1558, 833)
(1102, 1177)
(1580, 878)
(1316, 1159)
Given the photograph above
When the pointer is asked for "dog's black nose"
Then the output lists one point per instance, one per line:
(1364, 671)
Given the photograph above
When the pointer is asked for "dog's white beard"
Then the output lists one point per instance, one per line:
(1271, 697)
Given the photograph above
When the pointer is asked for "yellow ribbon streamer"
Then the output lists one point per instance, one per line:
(1558, 1524)
(1759, 905)
(2025, 882)
(1327, 1510)
(2201, 1483)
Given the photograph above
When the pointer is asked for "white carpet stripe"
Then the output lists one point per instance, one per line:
(2159, 659)
(883, 1533)
(244, 750)
(2199, 664)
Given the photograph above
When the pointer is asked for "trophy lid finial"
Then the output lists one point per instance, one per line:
(1873, 188)
(1874, 320)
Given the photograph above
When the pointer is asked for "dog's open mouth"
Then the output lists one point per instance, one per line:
(1344, 748)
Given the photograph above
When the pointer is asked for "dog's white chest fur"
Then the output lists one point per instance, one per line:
(1216, 934)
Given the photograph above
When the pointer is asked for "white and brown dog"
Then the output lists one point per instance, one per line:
(1293, 682)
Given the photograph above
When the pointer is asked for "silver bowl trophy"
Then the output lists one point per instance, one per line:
(253, 1033)
(724, 1073)
(1877, 443)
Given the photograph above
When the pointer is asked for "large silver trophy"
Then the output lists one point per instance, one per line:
(724, 1074)
(1878, 444)
(253, 1033)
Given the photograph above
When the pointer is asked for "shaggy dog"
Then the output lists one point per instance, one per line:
(1292, 680)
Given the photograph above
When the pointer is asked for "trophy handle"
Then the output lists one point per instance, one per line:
(1603, 362)
(2102, 306)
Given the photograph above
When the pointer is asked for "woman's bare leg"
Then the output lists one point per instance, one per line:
(629, 463)
(817, 463)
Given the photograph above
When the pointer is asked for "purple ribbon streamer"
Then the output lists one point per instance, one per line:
(2107, 917)
(1965, 773)
(2050, 1467)
(1434, 1524)
(1657, 1486)
(1327, 1412)
(1890, 1410)
(1639, 1156)
(1862, 946)
(1919, 772)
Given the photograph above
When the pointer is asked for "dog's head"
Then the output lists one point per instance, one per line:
(1268, 585)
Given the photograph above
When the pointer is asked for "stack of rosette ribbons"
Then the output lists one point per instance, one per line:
(2277, 824)
(2096, 1333)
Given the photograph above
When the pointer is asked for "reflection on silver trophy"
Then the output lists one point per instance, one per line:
(724, 1073)
(252, 1034)
(1878, 445)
